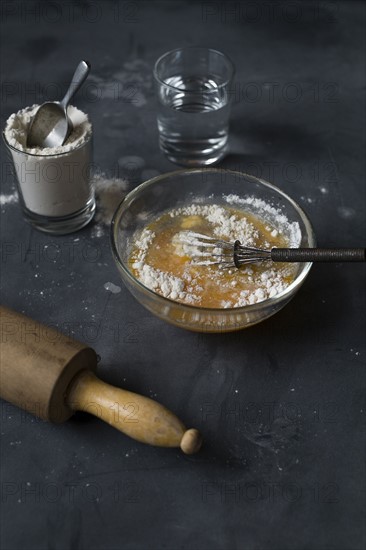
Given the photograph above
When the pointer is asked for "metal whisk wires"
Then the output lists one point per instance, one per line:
(208, 251)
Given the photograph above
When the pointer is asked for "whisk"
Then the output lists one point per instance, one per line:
(207, 250)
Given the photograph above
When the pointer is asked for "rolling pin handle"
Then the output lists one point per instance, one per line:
(191, 441)
(137, 416)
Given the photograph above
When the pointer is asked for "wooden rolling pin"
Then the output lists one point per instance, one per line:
(50, 375)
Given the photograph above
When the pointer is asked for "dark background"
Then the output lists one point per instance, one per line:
(281, 405)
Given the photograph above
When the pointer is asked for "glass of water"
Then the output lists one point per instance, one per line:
(193, 89)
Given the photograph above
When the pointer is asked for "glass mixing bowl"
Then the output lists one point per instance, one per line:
(176, 189)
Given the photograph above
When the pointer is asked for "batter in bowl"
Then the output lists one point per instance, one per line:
(162, 263)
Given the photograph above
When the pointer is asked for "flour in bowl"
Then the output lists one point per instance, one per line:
(161, 263)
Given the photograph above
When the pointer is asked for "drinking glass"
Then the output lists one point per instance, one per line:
(193, 91)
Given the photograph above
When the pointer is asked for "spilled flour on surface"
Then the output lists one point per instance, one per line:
(109, 192)
(132, 84)
(10, 198)
(110, 287)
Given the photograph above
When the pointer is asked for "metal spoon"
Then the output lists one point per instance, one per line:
(51, 126)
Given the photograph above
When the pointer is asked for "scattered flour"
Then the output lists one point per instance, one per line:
(110, 287)
(11, 198)
(109, 192)
(307, 199)
(132, 84)
(346, 212)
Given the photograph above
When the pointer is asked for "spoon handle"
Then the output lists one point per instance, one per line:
(318, 254)
(82, 71)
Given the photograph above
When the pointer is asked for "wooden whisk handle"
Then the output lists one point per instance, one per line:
(318, 254)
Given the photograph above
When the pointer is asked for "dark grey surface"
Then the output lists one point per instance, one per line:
(281, 405)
